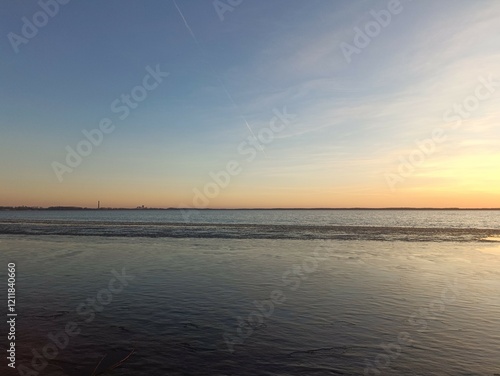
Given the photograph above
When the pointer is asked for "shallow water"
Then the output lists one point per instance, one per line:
(381, 225)
(350, 307)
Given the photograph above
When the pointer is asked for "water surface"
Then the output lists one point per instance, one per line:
(421, 299)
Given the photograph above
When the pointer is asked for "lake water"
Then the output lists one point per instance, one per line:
(256, 292)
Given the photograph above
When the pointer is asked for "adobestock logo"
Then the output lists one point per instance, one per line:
(60, 340)
(427, 147)
(291, 279)
(222, 7)
(122, 106)
(221, 179)
(372, 29)
(30, 27)
(419, 322)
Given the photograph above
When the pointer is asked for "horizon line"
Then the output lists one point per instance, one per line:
(24, 207)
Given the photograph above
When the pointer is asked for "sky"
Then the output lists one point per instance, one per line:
(250, 103)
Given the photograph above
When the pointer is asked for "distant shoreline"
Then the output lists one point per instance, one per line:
(67, 208)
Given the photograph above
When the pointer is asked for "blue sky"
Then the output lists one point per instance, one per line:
(353, 120)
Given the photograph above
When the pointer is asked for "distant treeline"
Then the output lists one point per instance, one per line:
(144, 208)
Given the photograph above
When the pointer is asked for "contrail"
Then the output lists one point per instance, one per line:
(244, 119)
(220, 80)
(185, 22)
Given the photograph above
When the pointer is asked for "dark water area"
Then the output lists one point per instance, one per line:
(390, 225)
(245, 231)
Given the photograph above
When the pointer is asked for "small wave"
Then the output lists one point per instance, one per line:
(495, 238)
